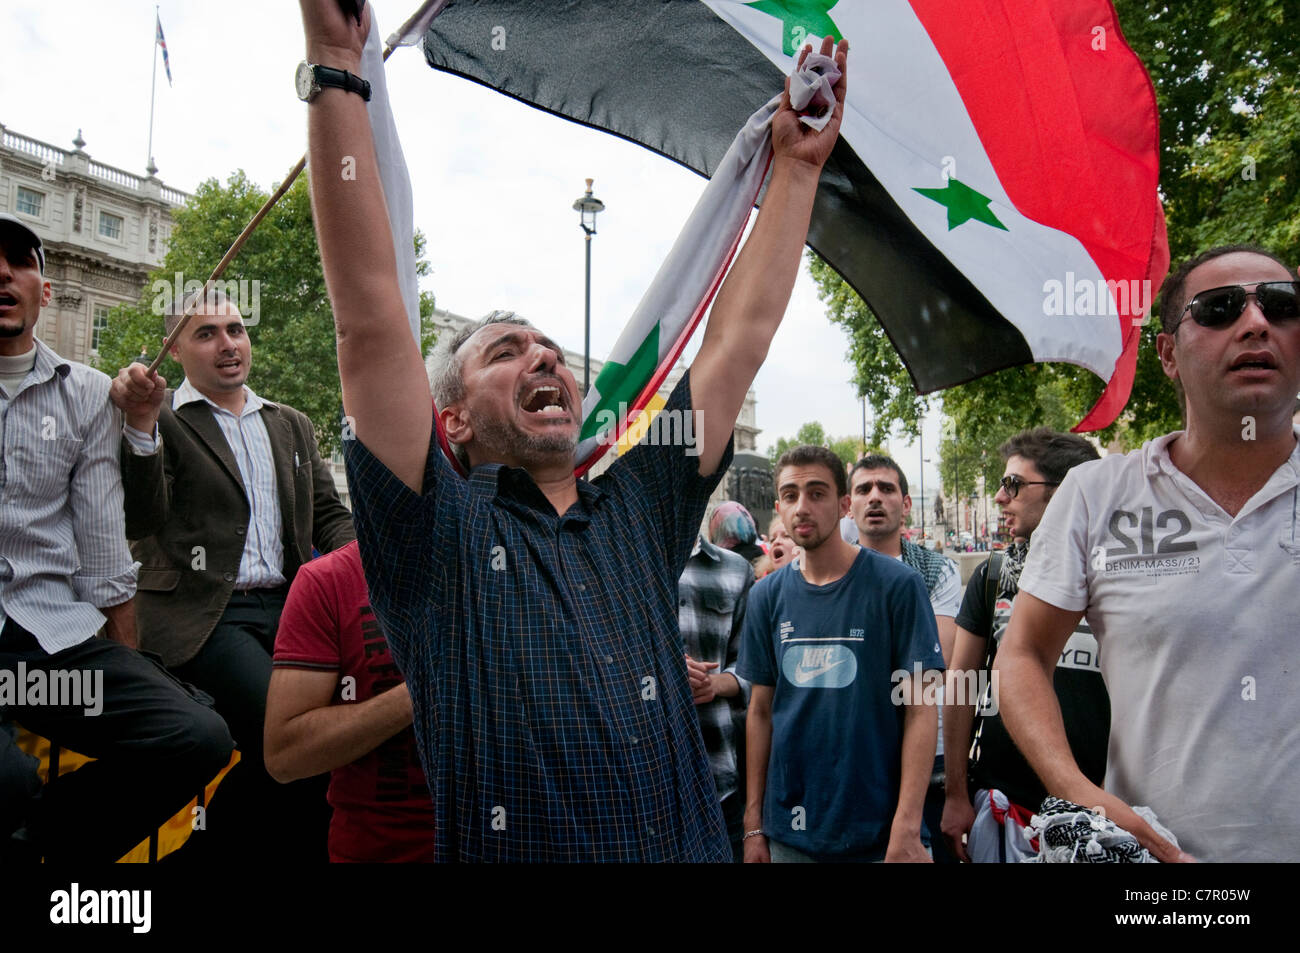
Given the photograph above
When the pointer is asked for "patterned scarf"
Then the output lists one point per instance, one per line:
(1069, 834)
(1013, 560)
(928, 563)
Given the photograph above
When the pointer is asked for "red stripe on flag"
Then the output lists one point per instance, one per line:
(1071, 130)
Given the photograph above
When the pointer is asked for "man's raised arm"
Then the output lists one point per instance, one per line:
(753, 299)
(385, 388)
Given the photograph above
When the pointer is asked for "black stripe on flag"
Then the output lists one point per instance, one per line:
(673, 77)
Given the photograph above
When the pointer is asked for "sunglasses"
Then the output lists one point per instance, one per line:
(1012, 484)
(1217, 307)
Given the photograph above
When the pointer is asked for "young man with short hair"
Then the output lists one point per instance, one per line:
(1006, 791)
(837, 770)
(879, 506)
(226, 497)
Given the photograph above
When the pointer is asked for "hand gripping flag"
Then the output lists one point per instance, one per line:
(685, 284)
(993, 196)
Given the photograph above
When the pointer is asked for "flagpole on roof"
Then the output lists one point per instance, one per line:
(153, 91)
(409, 34)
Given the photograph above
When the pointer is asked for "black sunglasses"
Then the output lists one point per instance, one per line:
(1217, 307)
(1012, 484)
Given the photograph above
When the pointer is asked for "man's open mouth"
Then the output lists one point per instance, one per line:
(7, 300)
(545, 400)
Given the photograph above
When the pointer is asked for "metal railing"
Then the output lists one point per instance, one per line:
(53, 155)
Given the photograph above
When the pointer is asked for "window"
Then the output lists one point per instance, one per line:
(30, 202)
(110, 226)
(98, 321)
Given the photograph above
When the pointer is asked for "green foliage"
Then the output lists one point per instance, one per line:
(1227, 81)
(846, 448)
(294, 357)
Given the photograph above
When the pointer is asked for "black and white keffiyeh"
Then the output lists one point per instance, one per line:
(1070, 834)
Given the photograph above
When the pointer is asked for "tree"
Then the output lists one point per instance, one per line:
(280, 287)
(1227, 81)
(846, 448)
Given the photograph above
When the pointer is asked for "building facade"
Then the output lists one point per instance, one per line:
(104, 230)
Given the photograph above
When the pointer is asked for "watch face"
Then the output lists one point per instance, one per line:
(304, 80)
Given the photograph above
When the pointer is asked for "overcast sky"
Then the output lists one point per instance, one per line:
(494, 180)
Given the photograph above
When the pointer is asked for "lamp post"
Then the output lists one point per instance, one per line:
(921, 439)
(587, 205)
(938, 516)
(984, 485)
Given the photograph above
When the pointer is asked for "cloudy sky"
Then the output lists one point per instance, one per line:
(494, 180)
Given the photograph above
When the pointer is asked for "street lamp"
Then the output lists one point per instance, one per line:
(985, 487)
(587, 205)
(921, 439)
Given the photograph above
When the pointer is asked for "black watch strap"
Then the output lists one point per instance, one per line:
(342, 79)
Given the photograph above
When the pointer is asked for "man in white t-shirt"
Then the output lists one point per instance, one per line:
(1185, 557)
(878, 505)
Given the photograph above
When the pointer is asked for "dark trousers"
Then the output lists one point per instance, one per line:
(252, 814)
(932, 814)
(157, 743)
(733, 813)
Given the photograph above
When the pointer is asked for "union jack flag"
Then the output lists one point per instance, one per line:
(162, 41)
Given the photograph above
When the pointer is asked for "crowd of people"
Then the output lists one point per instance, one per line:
(522, 666)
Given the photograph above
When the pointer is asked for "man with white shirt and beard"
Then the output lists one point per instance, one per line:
(1184, 555)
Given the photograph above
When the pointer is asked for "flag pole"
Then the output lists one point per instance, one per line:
(192, 304)
(153, 87)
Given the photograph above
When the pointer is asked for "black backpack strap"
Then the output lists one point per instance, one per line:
(991, 579)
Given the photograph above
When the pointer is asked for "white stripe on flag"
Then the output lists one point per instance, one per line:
(689, 277)
(393, 174)
(903, 118)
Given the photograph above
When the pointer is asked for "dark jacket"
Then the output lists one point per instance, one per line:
(187, 515)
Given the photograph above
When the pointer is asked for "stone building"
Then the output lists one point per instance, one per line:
(104, 230)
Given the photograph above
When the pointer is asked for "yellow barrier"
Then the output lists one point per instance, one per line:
(169, 838)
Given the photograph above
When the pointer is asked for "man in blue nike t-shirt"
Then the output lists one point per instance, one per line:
(835, 647)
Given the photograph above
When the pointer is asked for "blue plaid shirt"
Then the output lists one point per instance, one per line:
(552, 710)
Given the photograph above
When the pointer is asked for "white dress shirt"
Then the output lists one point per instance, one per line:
(262, 561)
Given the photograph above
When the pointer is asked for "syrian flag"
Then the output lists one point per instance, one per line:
(624, 396)
(993, 196)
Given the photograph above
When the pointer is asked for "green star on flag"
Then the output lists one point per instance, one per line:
(963, 204)
(800, 19)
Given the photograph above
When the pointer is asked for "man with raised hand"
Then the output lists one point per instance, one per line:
(226, 496)
(1185, 557)
(534, 616)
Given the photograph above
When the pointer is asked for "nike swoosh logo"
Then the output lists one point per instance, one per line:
(803, 675)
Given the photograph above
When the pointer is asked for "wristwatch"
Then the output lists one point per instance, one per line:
(310, 79)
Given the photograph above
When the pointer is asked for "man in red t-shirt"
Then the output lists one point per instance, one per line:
(338, 703)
